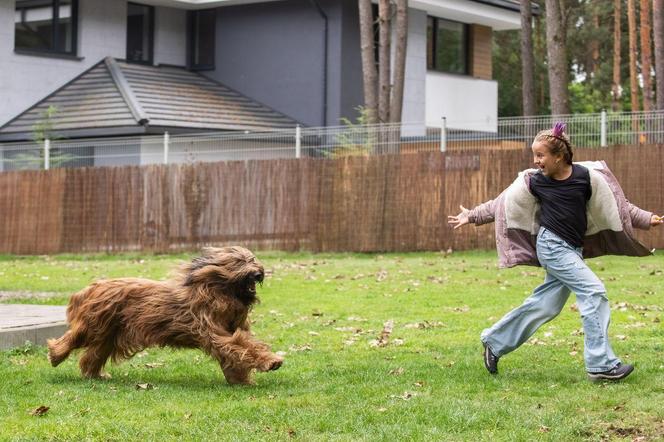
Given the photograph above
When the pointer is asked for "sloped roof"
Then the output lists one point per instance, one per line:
(117, 98)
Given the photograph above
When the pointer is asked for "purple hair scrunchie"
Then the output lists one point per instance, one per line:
(559, 128)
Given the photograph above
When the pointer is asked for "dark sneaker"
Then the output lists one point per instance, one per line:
(490, 360)
(620, 371)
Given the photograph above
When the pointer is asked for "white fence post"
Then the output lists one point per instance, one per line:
(602, 141)
(298, 141)
(443, 135)
(166, 143)
(47, 154)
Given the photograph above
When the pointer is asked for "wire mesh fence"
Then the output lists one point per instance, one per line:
(585, 130)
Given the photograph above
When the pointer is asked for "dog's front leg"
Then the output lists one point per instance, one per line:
(240, 351)
(236, 375)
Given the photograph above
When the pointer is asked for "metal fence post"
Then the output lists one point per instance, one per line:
(298, 141)
(166, 143)
(602, 136)
(47, 154)
(443, 135)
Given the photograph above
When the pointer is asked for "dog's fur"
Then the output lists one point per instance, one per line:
(205, 306)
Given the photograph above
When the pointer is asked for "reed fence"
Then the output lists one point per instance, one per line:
(381, 203)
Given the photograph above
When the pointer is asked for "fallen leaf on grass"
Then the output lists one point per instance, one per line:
(144, 386)
(40, 411)
(381, 275)
(397, 371)
(154, 364)
(406, 396)
(349, 329)
(544, 429)
(384, 337)
(296, 348)
(424, 325)
(535, 341)
(187, 416)
(291, 432)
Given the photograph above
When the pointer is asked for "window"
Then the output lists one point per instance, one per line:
(46, 26)
(201, 32)
(447, 46)
(140, 33)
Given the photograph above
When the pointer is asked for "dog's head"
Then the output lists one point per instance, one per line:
(234, 270)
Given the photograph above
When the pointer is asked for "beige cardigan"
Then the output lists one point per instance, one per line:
(611, 219)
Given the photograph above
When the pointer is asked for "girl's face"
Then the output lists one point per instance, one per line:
(549, 164)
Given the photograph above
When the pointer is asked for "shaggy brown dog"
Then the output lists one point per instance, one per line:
(205, 306)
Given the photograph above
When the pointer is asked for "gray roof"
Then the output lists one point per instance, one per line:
(118, 98)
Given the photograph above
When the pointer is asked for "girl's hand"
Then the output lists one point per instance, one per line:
(656, 220)
(459, 220)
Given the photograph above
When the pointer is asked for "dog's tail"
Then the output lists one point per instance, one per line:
(59, 349)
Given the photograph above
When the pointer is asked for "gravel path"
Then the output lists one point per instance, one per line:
(26, 295)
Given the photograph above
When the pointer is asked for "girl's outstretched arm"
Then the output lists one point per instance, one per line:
(482, 214)
(642, 219)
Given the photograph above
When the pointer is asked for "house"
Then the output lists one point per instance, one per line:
(298, 61)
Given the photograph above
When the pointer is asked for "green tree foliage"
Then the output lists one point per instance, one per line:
(590, 63)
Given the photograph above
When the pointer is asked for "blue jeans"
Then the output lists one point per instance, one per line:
(565, 271)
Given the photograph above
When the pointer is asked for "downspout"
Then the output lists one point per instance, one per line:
(325, 40)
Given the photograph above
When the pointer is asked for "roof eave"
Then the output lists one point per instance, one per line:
(77, 133)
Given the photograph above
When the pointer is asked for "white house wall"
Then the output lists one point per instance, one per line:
(467, 103)
(414, 98)
(26, 79)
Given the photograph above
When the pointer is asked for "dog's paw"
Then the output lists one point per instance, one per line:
(272, 364)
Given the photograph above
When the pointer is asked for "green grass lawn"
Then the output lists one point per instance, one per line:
(324, 311)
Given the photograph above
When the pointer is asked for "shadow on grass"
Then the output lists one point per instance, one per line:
(171, 379)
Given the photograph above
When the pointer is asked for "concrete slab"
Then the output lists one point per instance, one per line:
(35, 323)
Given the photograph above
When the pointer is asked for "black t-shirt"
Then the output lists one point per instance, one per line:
(564, 203)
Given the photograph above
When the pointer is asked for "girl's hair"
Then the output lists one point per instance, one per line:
(557, 141)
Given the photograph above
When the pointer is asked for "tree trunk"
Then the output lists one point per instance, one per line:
(646, 55)
(658, 33)
(540, 52)
(369, 75)
(401, 28)
(384, 61)
(594, 43)
(616, 92)
(557, 58)
(633, 82)
(527, 60)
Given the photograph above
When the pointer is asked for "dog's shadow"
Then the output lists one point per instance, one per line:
(152, 379)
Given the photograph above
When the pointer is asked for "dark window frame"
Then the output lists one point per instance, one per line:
(191, 41)
(151, 22)
(55, 6)
(431, 58)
